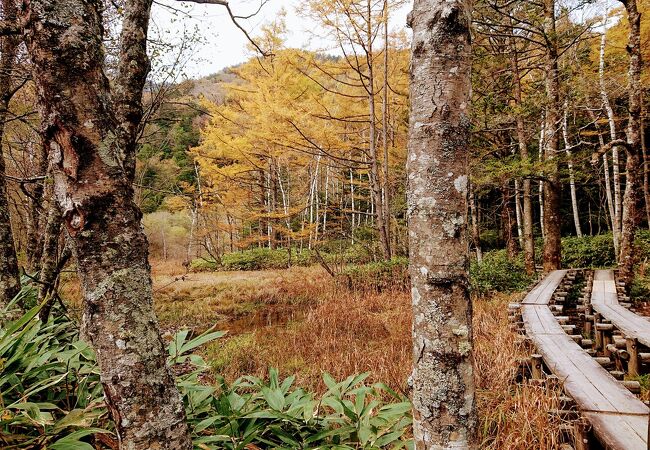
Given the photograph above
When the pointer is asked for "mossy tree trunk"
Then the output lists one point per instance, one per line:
(90, 135)
(9, 275)
(552, 185)
(632, 208)
(443, 384)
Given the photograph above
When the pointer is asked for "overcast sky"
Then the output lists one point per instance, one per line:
(221, 43)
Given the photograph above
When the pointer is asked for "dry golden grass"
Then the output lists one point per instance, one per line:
(513, 415)
(304, 324)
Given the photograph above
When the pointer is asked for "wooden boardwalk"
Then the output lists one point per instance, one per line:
(619, 419)
(604, 300)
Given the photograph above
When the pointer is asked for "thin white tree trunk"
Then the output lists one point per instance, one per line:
(518, 214)
(353, 205)
(572, 180)
(612, 131)
(542, 133)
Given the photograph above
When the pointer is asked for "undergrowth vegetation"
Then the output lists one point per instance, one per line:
(52, 398)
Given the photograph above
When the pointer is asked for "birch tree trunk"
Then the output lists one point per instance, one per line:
(9, 275)
(540, 192)
(518, 215)
(572, 177)
(91, 145)
(476, 234)
(443, 384)
(608, 186)
(552, 187)
(611, 119)
(634, 175)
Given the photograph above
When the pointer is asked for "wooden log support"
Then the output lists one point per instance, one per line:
(536, 370)
(633, 386)
(618, 374)
(604, 361)
(644, 357)
(568, 328)
(632, 347)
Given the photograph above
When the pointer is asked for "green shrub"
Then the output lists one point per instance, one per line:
(204, 265)
(598, 251)
(588, 251)
(498, 273)
(51, 397)
(378, 276)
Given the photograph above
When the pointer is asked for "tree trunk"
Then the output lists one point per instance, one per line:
(633, 168)
(50, 252)
(35, 225)
(92, 153)
(476, 234)
(9, 275)
(572, 177)
(540, 192)
(552, 186)
(527, 216)
(384, 135)
(506, 222)
(438, 149)
(608, 187)
(612, 135)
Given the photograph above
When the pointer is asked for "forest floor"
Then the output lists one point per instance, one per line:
(303, 323)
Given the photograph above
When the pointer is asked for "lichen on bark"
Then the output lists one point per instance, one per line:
(92, 154)
(442, 379)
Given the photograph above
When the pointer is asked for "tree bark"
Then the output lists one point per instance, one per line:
(9, 275)
(633, 167)
(443, 384)
(384, 136)
(522, 142)
(49, 263)
(572, 177)
(375, 179)
(92, 165)
(611, 119)
(506, 222)
(35, 214)
(552, 187)
(476, 234)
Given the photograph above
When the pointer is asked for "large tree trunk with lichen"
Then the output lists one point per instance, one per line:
(552, 186)
(632, 209)
(443, 384)
(91, 148)
(9, 275)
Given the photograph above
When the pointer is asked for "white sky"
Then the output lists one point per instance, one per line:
(221, 43)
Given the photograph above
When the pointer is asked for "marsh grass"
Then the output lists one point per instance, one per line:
(305, 324)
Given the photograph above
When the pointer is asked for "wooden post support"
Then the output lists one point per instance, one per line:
(580, 434)
(633, 350)
(599, 333)
(536, 366)
(607, 339)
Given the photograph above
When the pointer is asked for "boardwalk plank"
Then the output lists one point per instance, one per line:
(619, 419)
(605, 301)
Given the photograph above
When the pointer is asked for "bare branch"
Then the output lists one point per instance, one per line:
(235, 19)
